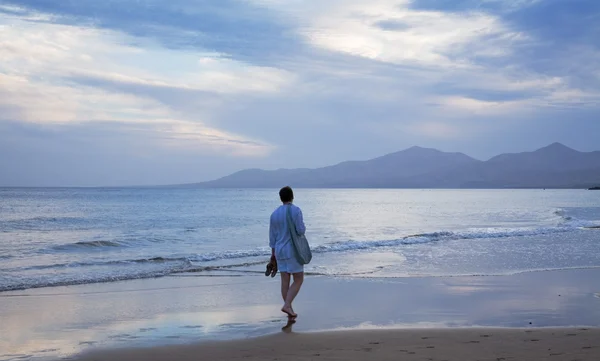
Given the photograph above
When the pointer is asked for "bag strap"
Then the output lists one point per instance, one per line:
(290, 221)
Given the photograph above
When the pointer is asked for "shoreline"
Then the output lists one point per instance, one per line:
(182, 311)
(214, 273)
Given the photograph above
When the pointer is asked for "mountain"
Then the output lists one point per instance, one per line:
(554, 166)
(555, 157)
(385, 171)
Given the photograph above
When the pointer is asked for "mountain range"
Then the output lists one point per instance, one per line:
(554, 166)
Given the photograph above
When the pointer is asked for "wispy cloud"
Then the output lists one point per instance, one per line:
(468, 45)
(303, 83)
(67, 73)
(426, 38)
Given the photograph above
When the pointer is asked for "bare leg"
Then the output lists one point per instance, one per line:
(285, 285)
(292, 293)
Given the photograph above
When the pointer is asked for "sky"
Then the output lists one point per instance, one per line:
(144, 92)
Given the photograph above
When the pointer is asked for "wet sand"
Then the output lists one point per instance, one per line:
(185, 314)
(566, 344)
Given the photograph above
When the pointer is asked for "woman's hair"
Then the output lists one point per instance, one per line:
(286, 194)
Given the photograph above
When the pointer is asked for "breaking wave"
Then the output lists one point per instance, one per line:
(107, 270)
(87, 245)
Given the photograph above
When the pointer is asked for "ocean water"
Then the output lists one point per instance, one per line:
(55, 237)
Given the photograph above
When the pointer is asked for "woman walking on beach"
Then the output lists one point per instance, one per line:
(283, 249)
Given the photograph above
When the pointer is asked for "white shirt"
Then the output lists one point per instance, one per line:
(279, 235)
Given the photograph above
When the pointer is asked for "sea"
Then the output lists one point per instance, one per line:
(53, 237)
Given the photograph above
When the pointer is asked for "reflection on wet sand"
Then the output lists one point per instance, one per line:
(64, 321)
(288, 326)
(178, 310)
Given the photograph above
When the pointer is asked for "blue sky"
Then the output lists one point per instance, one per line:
(156, 92)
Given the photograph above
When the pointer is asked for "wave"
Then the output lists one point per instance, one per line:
(55, 219)
(562, 214)
(87, 245)
(484, 233)
(572, 221)
(342, 246)
(91, 245)
(81, 281)
(177, 268)
(159, 266)
(58, 266)
(354, 245)
(45, 222)
(424, 238)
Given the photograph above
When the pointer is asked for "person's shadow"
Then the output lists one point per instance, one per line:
(288, 327)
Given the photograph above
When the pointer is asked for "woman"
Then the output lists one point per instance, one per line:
(283, 251)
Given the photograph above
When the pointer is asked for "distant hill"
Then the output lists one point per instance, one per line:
(554, 166)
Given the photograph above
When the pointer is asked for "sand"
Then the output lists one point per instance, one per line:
(568, 344)
(170, 312)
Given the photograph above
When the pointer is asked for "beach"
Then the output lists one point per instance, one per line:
(422, 171)
(230, 317)
(424, 345)
(85, 274)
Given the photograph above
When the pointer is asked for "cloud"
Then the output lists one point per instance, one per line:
(464, 46)
(226, 26)
(480, 107)
(189, 135)
(394, 32)
(111, 154)
(428, 38)
(63, 73)
(458, 6)
(71, 51)
(295, 83)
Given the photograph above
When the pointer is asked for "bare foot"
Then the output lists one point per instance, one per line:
(290, 312)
